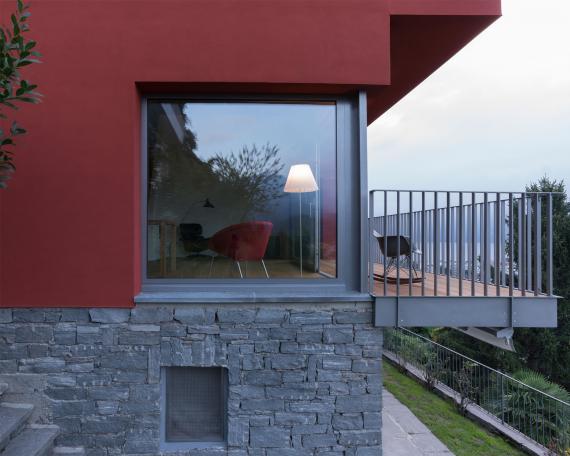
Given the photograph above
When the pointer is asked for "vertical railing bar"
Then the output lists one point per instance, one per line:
(503, 242)
(536, 421)
(473, 242)
(518, 406)
(468, 238)
(498, 245)
(370, 243)
(411, 245)
(549, 270)
(448, 244)
(511, 246)
(480, 241)
(522, 245)
(543, 426)
(435, 243)
(398, 243)
(453, 242)
(537, 245)
(423, 254)
(485, 243)
(385, 240)
(460, 253)
(529, 275)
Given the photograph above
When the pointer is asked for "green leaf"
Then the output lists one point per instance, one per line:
(20, 6)
(15, 24)
(29, 100)
(30, 45)
(10, 105)
(26, 62)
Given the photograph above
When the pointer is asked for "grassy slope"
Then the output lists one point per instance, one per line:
(461, 435)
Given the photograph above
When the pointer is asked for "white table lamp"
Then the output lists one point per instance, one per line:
(300, 180)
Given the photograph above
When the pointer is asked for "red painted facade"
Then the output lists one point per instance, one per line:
(70, 233)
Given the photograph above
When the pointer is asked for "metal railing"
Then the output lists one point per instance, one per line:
(461, 243)
(539, 416)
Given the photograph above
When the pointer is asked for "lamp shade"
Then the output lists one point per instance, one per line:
(300, 180)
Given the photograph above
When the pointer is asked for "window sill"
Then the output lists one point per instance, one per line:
(192, 297)
(175, 448)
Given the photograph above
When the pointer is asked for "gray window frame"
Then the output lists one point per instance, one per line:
(352, 197)
(191, 445)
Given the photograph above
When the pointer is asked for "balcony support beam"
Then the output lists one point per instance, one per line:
(491, 311)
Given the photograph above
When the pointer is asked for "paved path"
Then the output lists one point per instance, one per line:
(403, 434)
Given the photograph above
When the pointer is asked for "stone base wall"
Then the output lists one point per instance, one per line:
(303, 379)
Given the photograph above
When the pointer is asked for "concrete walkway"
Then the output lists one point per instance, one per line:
(403, 434)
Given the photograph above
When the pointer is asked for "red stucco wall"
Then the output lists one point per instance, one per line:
(70, 218)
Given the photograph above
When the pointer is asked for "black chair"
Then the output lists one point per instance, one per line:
(389, 249)
(191, 236)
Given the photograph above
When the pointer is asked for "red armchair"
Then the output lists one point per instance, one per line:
(242, 242)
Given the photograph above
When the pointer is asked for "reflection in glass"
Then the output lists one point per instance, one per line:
(220, 204)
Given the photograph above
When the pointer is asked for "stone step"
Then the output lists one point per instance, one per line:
(12, 418)
(36, 440)
(3, 388)
(68, 451)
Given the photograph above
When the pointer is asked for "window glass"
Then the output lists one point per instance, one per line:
(241, 190)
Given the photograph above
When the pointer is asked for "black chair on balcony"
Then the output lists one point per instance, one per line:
(389, 249)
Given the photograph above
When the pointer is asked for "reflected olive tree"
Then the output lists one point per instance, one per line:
(251, 175)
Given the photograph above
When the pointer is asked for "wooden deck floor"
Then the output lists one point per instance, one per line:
(199, 267)
(430, 286)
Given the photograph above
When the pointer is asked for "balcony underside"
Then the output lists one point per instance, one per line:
(468, 311)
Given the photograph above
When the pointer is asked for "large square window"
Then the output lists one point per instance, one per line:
(241, 190)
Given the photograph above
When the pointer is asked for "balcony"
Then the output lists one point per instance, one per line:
(466, 259)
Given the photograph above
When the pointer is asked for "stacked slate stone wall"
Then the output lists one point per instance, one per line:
(303, 379)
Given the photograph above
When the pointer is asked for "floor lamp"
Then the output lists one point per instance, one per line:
(300, 180)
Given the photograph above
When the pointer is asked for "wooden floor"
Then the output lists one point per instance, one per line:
(429, 284)
(198, 267)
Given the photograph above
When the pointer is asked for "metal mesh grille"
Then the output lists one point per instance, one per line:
(195, 404)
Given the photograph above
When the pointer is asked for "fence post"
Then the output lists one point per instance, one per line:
(503, 399)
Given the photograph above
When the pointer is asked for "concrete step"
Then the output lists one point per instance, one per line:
(35, 440)
(12, 418)
(3, 388)
(68, 451)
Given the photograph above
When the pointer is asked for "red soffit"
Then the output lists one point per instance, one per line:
(423, 36)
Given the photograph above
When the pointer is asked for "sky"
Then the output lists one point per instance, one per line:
(495, 117)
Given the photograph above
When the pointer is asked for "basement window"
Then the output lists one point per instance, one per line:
(195, 411)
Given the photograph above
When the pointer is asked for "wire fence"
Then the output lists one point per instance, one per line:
(541, 417)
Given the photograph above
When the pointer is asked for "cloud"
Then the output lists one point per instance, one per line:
(495, 117)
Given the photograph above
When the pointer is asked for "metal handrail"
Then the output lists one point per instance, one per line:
(456, 240)
(523, 408)
(374, 190)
